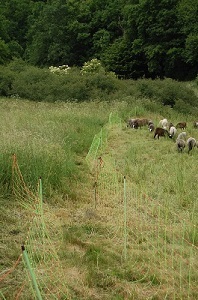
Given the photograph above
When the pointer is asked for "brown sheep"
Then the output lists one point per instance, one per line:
(130, 123)
(139, 123)
(160, 132)
(145, 121)
(181, 125)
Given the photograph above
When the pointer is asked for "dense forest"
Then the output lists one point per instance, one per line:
(133, 38)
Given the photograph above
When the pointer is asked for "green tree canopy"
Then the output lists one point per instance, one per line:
(133, 38)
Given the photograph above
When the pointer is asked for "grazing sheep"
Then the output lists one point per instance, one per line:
(139, 123)
(181, 125)
(191, 142)
(144, 121)
(131, 123)
(136, 123)
(150, 122)
(151, 127)
(182, 135)
(180, 142)
(180, 145)
(164, 123)
(195, 124)
(172, 132)
(170, 125)
(160, 132)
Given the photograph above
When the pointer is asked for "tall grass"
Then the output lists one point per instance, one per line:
(49, 141)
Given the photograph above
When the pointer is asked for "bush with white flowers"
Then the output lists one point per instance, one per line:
(61, 70)
(92, 66)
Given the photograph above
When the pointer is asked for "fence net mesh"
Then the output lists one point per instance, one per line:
(39, 245)
(157, 238)
(147, 232)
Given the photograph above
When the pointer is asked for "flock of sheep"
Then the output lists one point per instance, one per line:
(166, 128)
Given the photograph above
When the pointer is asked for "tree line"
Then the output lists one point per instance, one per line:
(133, 38)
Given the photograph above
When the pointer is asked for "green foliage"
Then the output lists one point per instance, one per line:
(6, 80)
(25, 81)
(31, 84)
(4, 52)
(192, 48)
(102, 85)
(196, 81)
(187, 12)
(119, 33)
(59, 33)
(28, 82)
(168, 92)
(14, 26)
(120, 58)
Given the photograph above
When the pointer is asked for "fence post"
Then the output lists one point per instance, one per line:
(110, 116)
(125, 220)
(1, 294)
(33, 277)
(40, 196)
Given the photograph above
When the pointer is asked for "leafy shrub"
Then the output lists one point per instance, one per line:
(32, 84)
(184, 107)
(106, 84)
(72, 84)
(196, 81)
(77, 90)
(169, 91)
(17, 65)
(44, 85)
(92, 67)
(6, 79)
(8, 75)
(166, 91)
(145, 88)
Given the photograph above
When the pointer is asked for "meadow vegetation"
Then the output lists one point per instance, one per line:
(51, 137)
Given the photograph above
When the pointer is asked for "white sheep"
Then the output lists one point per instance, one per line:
(182, 135)
(163, 123)
(172, 131)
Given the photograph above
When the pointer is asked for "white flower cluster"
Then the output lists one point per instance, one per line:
(61, 70)
(92, 66)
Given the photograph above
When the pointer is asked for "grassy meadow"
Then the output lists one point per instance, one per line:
(127, 229)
